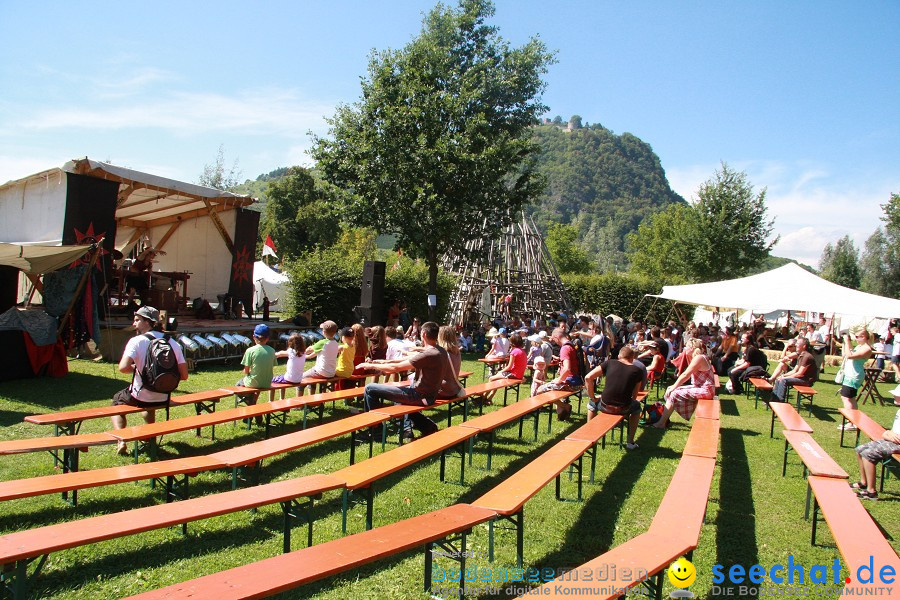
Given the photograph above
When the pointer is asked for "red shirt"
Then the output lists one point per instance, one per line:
(519, 362)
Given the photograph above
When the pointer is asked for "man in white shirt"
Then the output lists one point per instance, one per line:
(133, 358)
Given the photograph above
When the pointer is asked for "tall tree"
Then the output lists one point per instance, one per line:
(840, 263)
(733, 232)
(880, 262)
(299, 213)
(724, 234)
(439, 141)
(568, 257)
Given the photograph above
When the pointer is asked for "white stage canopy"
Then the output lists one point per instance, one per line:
(789, 287)
(269, 283)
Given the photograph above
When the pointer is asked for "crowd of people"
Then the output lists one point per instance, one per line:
(627, 356)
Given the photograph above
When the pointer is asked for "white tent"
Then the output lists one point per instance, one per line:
(789, 287)
(275, 284)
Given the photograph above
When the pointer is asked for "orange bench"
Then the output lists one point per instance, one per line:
(636, 561)
(530, 407)
(708, 409)
(815, 460)
(703, 440)
(287, 571)
(69, 422)
(172, 469)
(21, 548)
(803, 391)
(873, 430)
(361, 477)
(789, 417)
(759, 385)
(683, 508)
(509, 497)
(859, 538)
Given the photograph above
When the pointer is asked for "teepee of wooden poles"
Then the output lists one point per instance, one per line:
(518, 265)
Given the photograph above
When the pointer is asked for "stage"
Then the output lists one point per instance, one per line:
(115, 332)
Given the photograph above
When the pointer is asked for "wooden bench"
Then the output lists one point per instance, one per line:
(648, 554)
(703, 440)
(175, 472)
(361, 477)
(491, 364)
(873, 430)
(815, 460)
(21, 548)
(530, 407)
(509, 497)
(708, 409)
(596, 429)
(789, 417)
(683, 508)
(759, 385)
(288, 571)
(69, 422)
(804, 391)
(859, 539)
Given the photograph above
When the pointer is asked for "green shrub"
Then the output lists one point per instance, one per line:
(616, 293)
(327, 281)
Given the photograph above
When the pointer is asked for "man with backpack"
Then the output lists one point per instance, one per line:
(157, 364)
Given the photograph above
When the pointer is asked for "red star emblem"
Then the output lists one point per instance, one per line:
(89, 237)
(242, 268)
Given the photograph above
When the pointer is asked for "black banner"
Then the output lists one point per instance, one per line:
(246, 232)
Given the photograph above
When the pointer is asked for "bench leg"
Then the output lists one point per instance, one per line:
(772, 426)
(784, 459)
(449, 550)
(15, 581)
(815, 518)
(808, 498)
(69, 463)
(297, 510)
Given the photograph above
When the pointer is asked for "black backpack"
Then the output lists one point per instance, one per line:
(160, 372)
(580, 358)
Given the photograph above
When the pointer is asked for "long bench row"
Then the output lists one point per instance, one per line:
(20, 549)
(175, 473)
(451, 525)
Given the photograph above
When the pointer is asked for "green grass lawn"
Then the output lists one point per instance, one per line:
(754, 515)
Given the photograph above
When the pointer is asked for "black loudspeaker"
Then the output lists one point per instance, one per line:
(372, 284)
(369, 316)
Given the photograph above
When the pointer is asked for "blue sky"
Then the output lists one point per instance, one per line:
(803, 96)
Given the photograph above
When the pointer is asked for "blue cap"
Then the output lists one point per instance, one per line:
(503, 330)
(261, 331)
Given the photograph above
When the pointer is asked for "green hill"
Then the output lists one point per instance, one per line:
(602, 183)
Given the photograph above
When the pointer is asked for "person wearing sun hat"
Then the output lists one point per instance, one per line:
(870, 454)
(146, 323)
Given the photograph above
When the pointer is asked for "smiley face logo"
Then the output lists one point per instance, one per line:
(682, 573)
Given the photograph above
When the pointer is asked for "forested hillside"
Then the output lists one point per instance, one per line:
(602, 183)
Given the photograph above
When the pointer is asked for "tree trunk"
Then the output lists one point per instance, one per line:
(432, 260)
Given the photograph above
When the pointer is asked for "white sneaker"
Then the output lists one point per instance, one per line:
(847, 427)
(729, 388)
(631, 446)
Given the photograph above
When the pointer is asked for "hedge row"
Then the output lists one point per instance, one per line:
(619, 294)
(327, 283)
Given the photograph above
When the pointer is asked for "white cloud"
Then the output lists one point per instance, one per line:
(278, 112)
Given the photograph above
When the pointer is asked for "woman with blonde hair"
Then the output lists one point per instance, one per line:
(448, 340)
(852, 370)
(702, 387)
